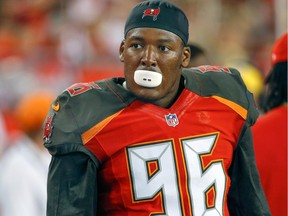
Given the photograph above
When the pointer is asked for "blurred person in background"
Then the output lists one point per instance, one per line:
(198, 56)
(24, 166)
(270, 132)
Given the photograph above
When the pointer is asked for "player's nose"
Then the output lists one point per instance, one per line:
(149, 57)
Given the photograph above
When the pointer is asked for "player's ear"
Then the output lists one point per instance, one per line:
(121, 51)
(186, 54)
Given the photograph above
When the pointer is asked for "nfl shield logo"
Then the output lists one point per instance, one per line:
(172, 120)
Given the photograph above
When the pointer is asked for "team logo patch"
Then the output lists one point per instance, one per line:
(47, 131)
(151, 12)
(56, 107)
(172, 120)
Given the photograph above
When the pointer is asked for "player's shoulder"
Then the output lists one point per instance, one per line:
(208, 80)
(86, 98)
(106, 90)
(80, 107)
(221, 82)
(104, 96)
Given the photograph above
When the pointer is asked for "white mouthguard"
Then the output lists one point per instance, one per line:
(147, 78)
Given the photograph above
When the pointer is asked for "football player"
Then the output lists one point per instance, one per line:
(162, 140)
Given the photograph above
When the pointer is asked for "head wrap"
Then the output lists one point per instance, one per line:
(158, 14)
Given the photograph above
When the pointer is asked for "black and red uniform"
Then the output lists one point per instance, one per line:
(116, 155)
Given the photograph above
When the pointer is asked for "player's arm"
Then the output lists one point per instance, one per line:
(72, 176)
(72, 185)
(246, 196)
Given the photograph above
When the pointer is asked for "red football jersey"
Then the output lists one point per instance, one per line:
(178, 158)
(115, 155)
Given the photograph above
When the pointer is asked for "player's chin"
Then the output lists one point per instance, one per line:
(148, 94)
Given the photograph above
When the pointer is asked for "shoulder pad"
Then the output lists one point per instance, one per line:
(77, 109)
(224, 83)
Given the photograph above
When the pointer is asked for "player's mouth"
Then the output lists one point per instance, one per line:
(147, 78)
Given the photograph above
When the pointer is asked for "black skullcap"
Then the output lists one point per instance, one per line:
(158, 14)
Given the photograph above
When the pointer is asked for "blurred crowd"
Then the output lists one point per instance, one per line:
(47, 45)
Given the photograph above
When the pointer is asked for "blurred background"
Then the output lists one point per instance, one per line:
(50, 44)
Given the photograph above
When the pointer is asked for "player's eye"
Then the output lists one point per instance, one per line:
(163, 48)
(136, 46)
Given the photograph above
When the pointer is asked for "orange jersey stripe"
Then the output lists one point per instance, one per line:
(237, 108)
(92, 132)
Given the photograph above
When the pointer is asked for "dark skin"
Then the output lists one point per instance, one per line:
(155, 50)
